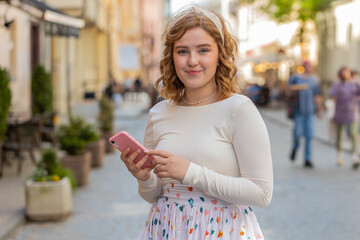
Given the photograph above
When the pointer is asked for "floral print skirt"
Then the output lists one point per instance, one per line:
(186, 213)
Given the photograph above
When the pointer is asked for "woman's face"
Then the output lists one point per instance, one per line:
(195, 58)
(346, 74)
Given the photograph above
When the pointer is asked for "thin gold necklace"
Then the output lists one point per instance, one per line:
(198, 102)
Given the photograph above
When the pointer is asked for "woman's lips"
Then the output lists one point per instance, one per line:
(193, 72)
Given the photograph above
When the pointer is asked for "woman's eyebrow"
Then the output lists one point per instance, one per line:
(198, 46)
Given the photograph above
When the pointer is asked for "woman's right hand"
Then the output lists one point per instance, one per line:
(135, 169)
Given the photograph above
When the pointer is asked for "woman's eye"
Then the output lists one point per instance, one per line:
(182, 52)
(204, 50)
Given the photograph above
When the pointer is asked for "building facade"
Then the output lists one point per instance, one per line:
(339, 39)
(152, 26)
(26, 40)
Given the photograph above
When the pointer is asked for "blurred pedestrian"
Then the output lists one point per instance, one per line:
(137, 89)
(212, 146)
(138, 85)
(253, 92)
(111, 87)
(128, 85)
(355, 75)
(345, 93)
(309, 103)
(264, 95)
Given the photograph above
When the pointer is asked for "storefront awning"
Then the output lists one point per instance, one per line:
(56, 22)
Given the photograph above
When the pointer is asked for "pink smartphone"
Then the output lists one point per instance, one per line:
(123, 140)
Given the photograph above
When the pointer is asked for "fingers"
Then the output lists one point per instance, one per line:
(140, 163)
(161, 174)
(153, 164)
(160, 161)
(159, 153)
(159, 169)
(124, 153)
(133, 156)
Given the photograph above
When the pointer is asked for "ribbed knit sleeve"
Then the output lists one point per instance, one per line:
(251, 143)
(151, 189)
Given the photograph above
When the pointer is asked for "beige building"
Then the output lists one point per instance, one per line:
(339, 39)
(110, 43)
(81, 49)
(26, 32)
(152, 26)
(80, 65)
(127, 43)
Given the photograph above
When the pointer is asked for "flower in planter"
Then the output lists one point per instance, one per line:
(49, 169)
(48, 191)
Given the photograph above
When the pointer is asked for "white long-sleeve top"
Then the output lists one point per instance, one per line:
(227, 144)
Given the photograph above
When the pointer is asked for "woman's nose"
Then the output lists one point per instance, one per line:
(193, 60)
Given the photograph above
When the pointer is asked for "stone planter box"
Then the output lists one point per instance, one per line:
(48, 200)
(80, 165)
(97, 150)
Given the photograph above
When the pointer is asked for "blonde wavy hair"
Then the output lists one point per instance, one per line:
(169, 85)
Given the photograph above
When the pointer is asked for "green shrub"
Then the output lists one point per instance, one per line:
(41, 91)
(74, 136)
(49, 169)
(5, 101)
(88, 132)
(106, 116)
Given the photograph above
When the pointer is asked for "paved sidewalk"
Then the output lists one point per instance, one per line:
(12, 198)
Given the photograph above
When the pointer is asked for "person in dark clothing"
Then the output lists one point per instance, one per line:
(111, 86)
(138, 85)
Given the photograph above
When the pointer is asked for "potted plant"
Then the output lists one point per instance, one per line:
(41, 91)
(95, 144)
(106, 121)
(77, 159)
(48, 192)
(5, 101)
(42, 102)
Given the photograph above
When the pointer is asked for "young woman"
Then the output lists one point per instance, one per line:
(345, 93)
(212, 147)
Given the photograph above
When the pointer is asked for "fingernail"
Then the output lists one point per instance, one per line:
(146, 151)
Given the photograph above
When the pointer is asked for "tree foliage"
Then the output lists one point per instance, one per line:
(290, 10)
(296, 10)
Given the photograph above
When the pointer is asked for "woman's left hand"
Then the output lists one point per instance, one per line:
(169, 165)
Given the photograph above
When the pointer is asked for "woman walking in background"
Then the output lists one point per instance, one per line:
(212, 147)
(345, 93)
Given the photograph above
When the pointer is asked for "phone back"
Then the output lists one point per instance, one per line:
(123, 140)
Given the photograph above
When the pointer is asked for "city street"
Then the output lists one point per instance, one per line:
(68, 58)
(316, 204)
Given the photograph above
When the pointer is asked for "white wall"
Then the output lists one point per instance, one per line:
(15, 57)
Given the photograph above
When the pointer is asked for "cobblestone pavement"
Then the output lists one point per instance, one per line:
(317, 204)
(321, 203)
